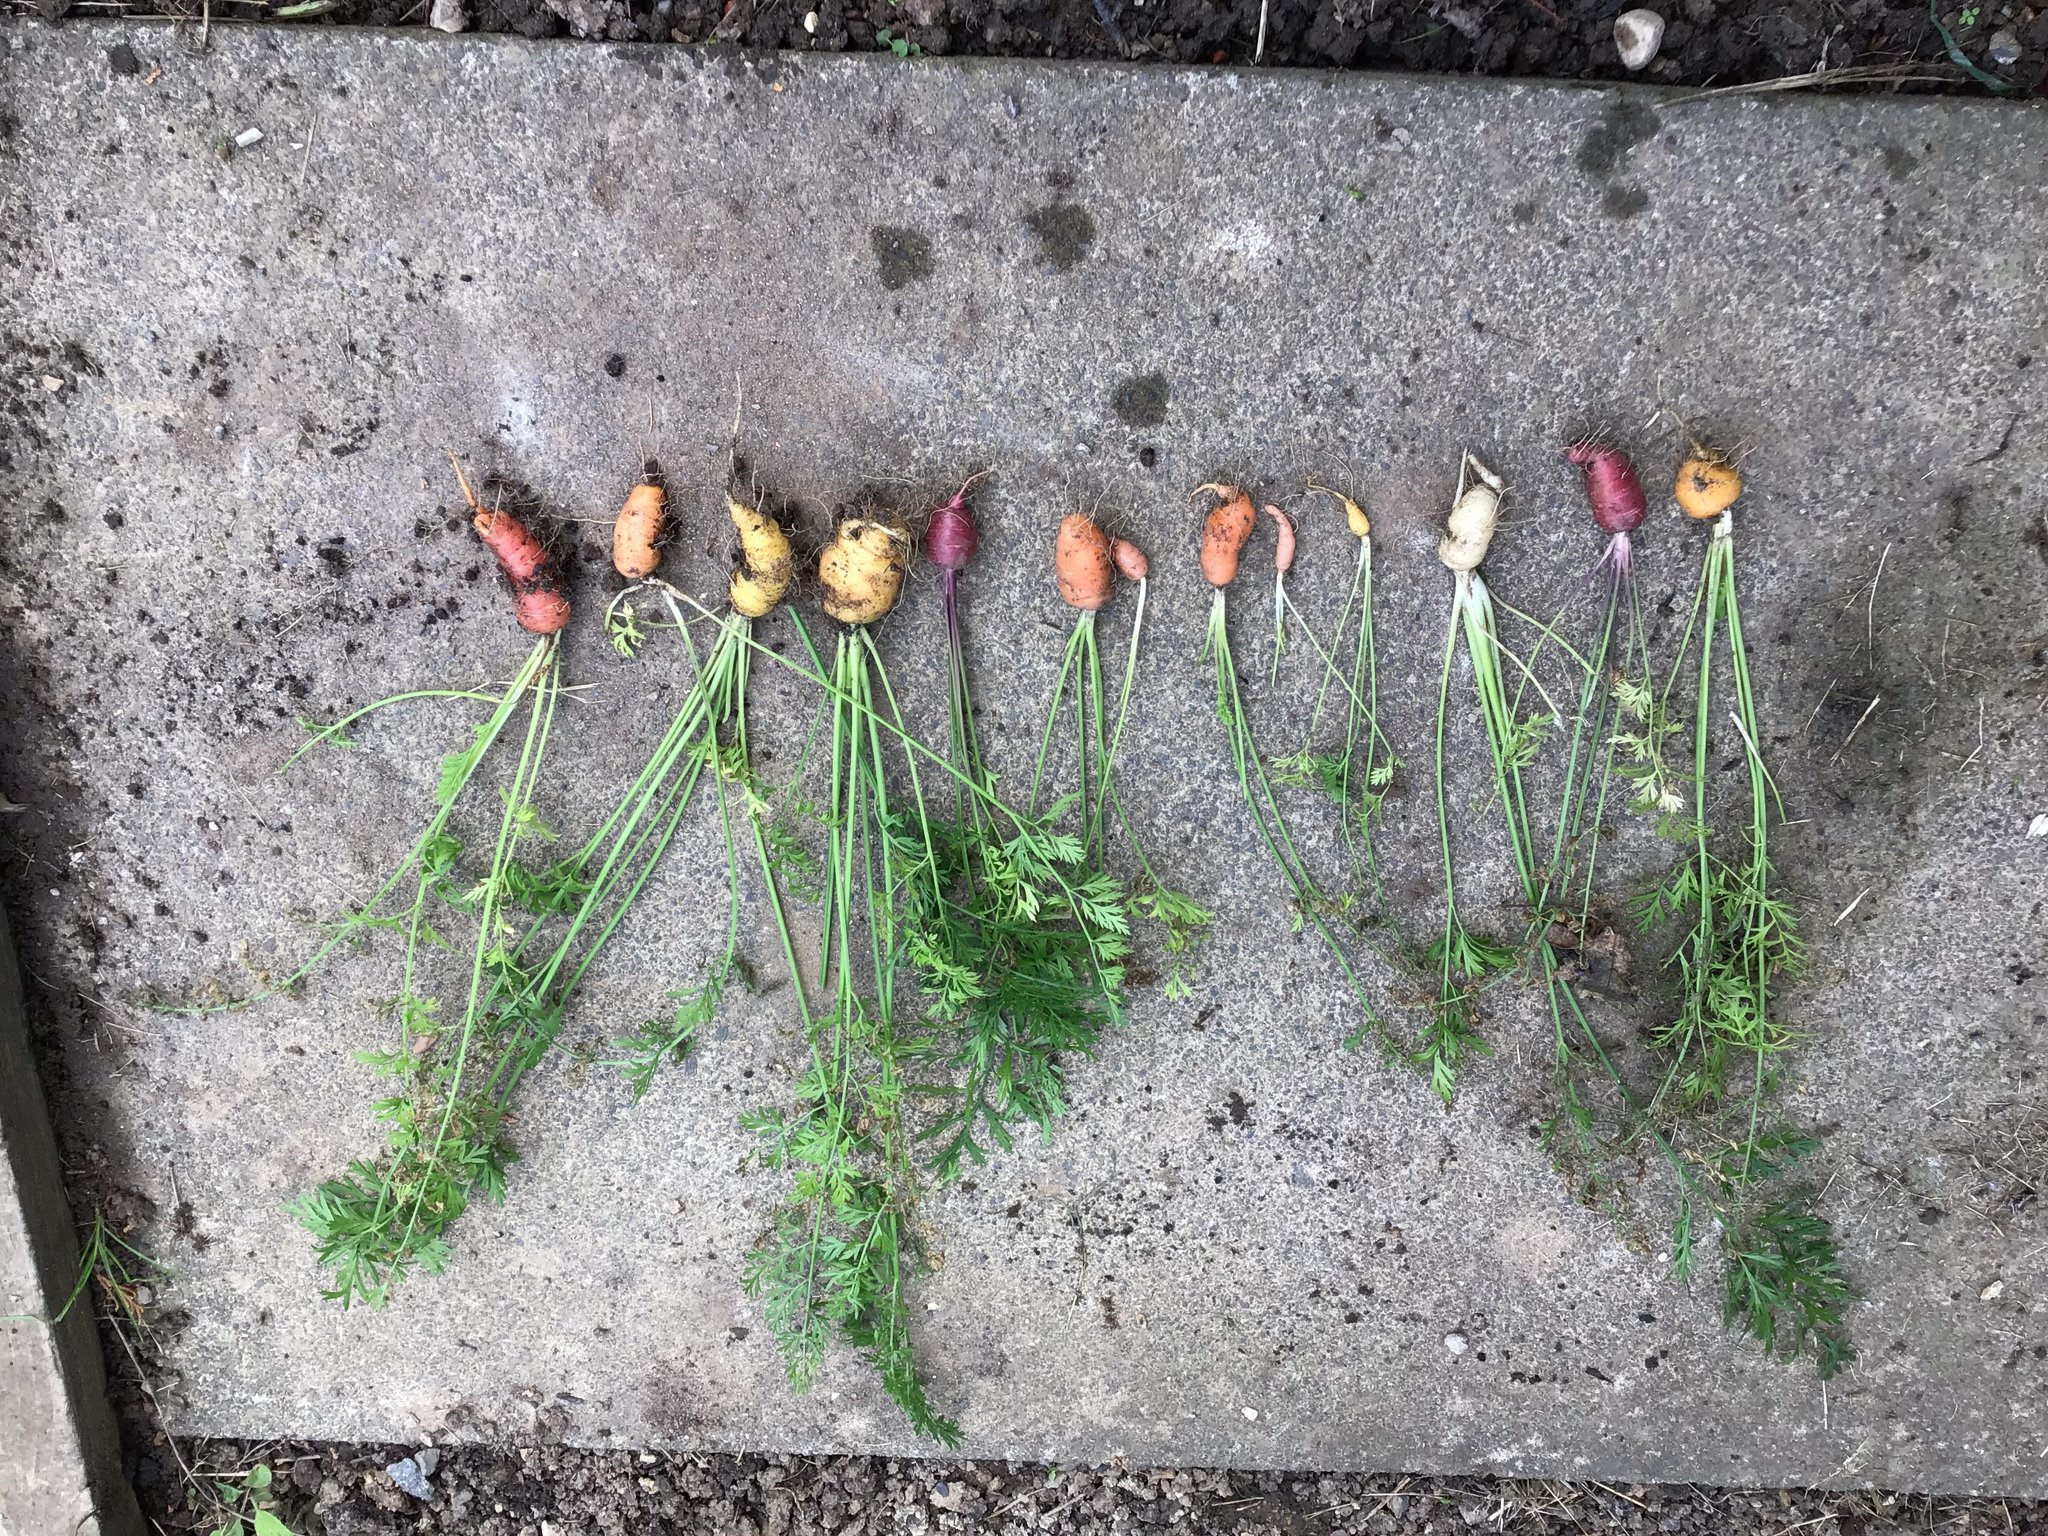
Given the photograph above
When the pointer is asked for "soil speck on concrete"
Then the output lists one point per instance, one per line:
(1066, 233)
(1141, 401)
(904, 255)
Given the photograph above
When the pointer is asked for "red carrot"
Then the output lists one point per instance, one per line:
(537, 600)
(950, 536)
(1611, 486)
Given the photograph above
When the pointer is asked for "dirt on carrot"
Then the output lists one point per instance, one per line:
(767, 564)
(861, 570)
(1707, 483)
(537, 600)
(1081, 559)
(1229, 525)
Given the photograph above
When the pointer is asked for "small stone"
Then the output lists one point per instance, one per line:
(1992, 1291)
(2038, 827)
(1455, 1343)
(449, 16)
(52, 383)
(1251, 1415)
(2004, 48)
(811, 22)
(429, 1460)
(1637, 37)
(248, 137)
(408, 1476)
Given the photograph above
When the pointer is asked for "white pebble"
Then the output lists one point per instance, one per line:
(1992, 1291)
(1455, 1343)
(2038, 827)
(247, 137)
(1637, 36)
(52, 383)
(811, 21)
(1251, 1415)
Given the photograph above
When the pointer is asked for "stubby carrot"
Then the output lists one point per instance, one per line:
(1707, 484)
(1081, 560)
(1611, 486)
(861, 570)
(1224, 534)
(636, 535)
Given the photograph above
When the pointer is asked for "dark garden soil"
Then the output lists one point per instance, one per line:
(1706, 42)
(556, 1490)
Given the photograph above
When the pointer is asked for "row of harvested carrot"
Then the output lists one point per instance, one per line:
(861, 568)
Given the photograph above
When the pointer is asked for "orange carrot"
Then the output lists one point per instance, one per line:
(1223, 536)
(1081, 559)
(1707, 484)
(636, 536)
(537, 600)
(1130, 560)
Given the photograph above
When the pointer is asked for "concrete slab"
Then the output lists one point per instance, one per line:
(1249, 1246)
(61, 1470)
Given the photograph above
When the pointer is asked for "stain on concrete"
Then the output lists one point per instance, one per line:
(1608, 142)
(1624, 202)
(1141, 401)
(1236, 1110)
(904, 255)
(1066, 233)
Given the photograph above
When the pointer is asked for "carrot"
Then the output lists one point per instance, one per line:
(766, 562)
(537, 600)
(1611, 486)
(1283, 548)
(1283, 561)
(862, 569)
(1474, 516)
(1082, 560)
(1223, 536)
(1354, 514)
(636, 536)
(1707, 484)
(950, 534)
(1130, 560)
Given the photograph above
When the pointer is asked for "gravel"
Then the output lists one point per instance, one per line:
(559, 1490)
